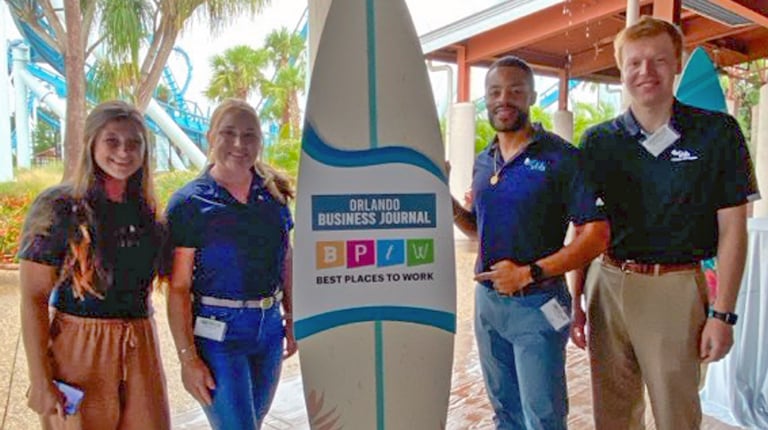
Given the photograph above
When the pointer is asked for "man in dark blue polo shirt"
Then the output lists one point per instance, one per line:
(527, 186)
(675, 181)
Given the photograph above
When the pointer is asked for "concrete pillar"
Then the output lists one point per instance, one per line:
(461, 152)
(23, 144)
(6, 156)
(754, 126)
(761, 155)
(730, 105)
(461, 148)
(318, 11)
(563, 124)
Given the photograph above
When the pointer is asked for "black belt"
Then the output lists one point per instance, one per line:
(531, 289)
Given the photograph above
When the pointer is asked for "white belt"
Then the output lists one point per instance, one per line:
(265, 303)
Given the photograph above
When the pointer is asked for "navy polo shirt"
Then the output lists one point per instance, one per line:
(239, 248)
(664, 209)
(524, 217)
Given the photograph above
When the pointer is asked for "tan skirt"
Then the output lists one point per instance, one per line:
(116, 362)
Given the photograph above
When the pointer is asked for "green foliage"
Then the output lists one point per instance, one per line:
(284, 155)
(167, 183)
(44, 135)
(587, 115)
(15, 198)
(237, 72)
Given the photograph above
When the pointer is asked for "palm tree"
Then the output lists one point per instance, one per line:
(237, 72)
(282, 94)
(587, 115)
(140, 33)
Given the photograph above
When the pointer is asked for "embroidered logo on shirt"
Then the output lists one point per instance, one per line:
(599, 202)
(682, 155)
(537, 165)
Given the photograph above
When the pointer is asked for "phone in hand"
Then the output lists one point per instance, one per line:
(73, 395)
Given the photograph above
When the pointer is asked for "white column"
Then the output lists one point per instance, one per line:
(6, 156)
(461, 151)
(461, 148)
(318, 11)
(23, 144)
(754, 127)
(563, 124)
(761, 155)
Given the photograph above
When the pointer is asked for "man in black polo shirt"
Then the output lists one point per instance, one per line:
(526, 186)
(675, 181)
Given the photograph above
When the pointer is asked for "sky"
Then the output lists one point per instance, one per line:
(427, 15)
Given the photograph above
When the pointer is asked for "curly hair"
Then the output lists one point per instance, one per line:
(277, 183)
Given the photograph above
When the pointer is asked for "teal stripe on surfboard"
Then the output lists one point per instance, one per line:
(318, 323)
(379, 341)
(373, 128)
(370, 15)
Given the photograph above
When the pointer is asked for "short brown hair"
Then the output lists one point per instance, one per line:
(647, 26)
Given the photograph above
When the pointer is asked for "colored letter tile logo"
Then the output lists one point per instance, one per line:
(420, 251)
(330, 254)
(361, 253)
(390, 252)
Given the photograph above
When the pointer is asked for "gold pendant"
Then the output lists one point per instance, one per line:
(494, 179)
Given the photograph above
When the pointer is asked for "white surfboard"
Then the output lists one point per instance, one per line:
(374, 276)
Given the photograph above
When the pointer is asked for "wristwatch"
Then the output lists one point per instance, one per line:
(537, 273)
(729, 318)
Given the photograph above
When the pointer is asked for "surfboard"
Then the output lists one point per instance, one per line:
(699, 86)
(374, 277)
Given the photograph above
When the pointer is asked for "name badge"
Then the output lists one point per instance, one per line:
(660, 140)
(210, 328)
(555, 314)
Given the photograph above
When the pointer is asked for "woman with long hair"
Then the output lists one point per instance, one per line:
(90, 248)
(231, 274)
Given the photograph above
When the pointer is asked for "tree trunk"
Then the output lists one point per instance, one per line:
(149, 82)
(74, 66)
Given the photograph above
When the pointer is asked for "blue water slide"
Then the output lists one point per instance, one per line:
(550, 96)
(186, 114)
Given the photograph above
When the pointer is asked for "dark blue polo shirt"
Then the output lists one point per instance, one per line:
(129, 254)
(524, 217)
(664, 209)
(239, 248)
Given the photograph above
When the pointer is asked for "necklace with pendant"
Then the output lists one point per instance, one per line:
(495, 178)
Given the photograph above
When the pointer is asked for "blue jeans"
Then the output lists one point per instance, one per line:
(523, 358)
(245, 366)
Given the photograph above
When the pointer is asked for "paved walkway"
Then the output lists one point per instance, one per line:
(469, 408)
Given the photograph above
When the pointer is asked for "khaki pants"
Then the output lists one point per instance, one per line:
(117, 365)
(645, 329)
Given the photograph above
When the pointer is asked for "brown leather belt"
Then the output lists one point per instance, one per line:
(649, 268)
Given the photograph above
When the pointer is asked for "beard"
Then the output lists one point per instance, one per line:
(520, 122)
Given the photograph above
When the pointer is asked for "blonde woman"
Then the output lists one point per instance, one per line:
(90, 249)
(231, 273)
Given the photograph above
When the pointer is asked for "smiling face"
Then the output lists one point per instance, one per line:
(648, 70)
(119, 149)
(508, 97)
(236, 140)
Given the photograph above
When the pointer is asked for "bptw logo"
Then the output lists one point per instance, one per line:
(369, 252)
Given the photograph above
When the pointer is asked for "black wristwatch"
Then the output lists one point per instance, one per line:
(729, 318)
(537, 273)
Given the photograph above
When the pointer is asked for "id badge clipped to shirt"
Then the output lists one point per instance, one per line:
(210, 328)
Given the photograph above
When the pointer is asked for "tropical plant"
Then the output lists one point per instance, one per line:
(237, 72)
(137, 33)
(587, 114)
(282, 93)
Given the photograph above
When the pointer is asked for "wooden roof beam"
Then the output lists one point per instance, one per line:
(531, 29)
